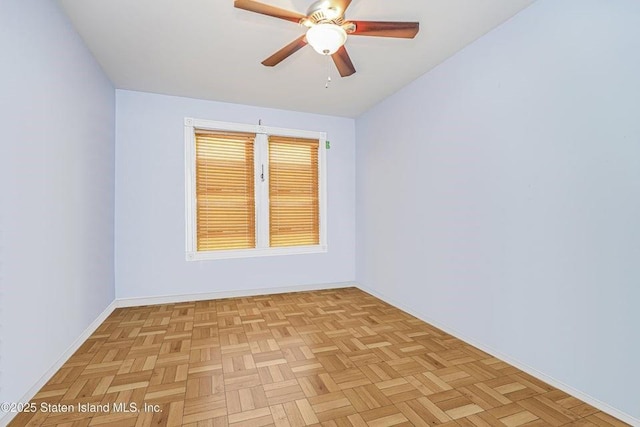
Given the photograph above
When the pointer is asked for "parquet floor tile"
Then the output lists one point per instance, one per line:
(334, 358)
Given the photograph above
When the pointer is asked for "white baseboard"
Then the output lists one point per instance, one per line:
(7, 417)
(510, 360)
(172, 299)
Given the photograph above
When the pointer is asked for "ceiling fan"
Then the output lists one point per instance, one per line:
(327, 30)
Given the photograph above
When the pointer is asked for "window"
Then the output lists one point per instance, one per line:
(225, 196)
(253, 190)
(294, 216)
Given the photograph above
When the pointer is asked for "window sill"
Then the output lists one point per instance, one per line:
(249, 253)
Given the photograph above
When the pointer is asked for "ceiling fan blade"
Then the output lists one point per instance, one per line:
(265, 9)
(404, 30)
(342, 5)
(285, 52)
(343, 62)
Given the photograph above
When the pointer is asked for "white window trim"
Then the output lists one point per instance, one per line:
(261, 157)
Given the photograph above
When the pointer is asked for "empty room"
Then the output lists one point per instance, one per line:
(320, 213)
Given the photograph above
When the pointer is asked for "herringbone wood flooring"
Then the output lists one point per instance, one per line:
(331, 358)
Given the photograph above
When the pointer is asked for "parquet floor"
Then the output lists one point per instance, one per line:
(332, 358)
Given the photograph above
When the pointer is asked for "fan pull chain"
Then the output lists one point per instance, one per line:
(326, 86)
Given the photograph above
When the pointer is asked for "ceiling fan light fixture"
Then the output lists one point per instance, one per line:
(326, 39)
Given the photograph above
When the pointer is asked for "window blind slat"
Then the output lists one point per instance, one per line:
(293, 192)
(225, 196)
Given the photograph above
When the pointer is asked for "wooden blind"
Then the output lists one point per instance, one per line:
(294, 213)
(225, 198)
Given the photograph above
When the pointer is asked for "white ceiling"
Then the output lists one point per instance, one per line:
(208, 49)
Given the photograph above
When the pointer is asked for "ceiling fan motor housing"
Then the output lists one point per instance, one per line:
(323, 12)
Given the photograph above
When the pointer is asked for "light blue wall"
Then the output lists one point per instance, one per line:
(57, 113)
(150, 202)
(499, 194)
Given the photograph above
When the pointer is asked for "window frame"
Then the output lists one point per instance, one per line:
(261, 190)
